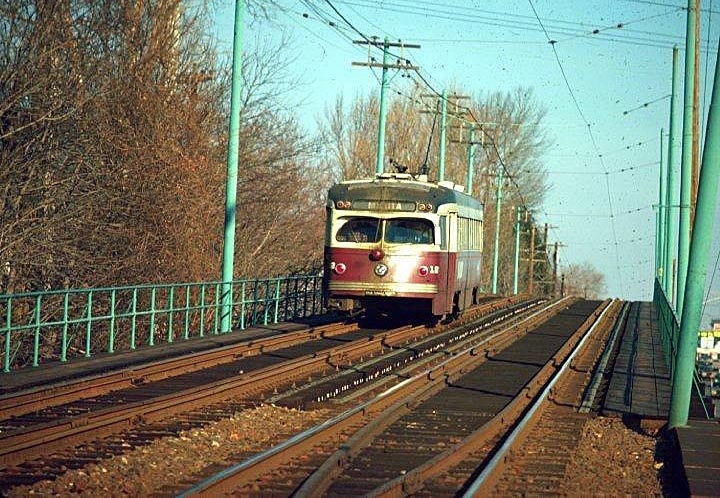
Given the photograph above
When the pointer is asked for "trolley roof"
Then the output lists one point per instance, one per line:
(401, 187)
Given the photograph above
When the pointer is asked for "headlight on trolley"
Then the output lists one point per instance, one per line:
(425, 207)
(343, 204)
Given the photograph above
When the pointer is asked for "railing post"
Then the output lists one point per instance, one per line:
(8, 334)
(217, 308)
(63, 345)
(171, 308)
(242, 305)
(266, 300)
(88, 325)
(253, 318)
(151, 335)
(133, 319)
(36, 338)
(186, 328)
(111, 341)
(202, 310)
(277, 300)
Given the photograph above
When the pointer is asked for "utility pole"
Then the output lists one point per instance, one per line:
(562, 285)
(443, 125)
(516, 262)
(444, 100)
(696, 117)
(232, 172)
(496, 245)
(671, 199)
(401, 63)
(660, 215)
(531, 259)
(556, 260)
(687, 152)
(697, 269)
(471, 159)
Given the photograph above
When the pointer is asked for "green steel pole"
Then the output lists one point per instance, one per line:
(517, 250)
(671, 193)
(686, 163)
(471, 158)
(702, 235)
(380, 160)
(232, 171)
(496, 245)
(443, 123)
(660, 247)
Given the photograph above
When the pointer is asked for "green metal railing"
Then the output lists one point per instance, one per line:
(58, 325)
(669, 335)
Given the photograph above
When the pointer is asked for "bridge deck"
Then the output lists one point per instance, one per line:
(55, 372)
(700, 446)
(640, 382)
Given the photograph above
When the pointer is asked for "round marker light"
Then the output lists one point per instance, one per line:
(428, 207)
(377, 254)
(423, 271)
(381, 270)
(340, 268)
(421, 207)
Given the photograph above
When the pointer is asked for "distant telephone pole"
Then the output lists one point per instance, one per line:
(531, 259)
(516, 265)
(401, 63)
(443, 112)
(496, 245)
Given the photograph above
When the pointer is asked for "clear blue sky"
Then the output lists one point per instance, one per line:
(499, 45)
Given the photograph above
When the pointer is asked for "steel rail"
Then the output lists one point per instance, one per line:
(480, 482)
(33, 441)
(413, 479)
(36, 398)
(227, 479)
(591, 391)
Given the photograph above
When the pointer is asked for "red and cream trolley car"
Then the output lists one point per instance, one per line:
(396, 243)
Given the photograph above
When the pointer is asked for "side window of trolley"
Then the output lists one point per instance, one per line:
(358, 230)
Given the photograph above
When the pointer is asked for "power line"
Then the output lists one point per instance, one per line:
(511, 21)
(642, 106)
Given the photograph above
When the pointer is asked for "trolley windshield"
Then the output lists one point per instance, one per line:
(363, 229)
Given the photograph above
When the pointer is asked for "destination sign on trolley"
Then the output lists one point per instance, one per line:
(371, 205)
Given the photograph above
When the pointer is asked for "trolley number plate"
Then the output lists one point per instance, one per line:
(380, 293)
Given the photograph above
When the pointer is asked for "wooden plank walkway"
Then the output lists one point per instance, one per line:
(640, 382)
(700, 447)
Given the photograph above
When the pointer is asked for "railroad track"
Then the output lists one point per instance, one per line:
(240, 374)
(405, 439)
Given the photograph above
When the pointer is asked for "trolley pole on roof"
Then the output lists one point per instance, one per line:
(232, 172)
(689, 117)
(516, 262)
(697, 269)
(443, 125)
(671, 199)
(401, 63)
(496, 245)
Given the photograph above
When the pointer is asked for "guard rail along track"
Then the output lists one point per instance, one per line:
(36, 439)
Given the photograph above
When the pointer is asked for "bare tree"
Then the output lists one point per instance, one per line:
(584, 280)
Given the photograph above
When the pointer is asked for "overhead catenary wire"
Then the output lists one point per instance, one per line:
(592, 140)
(511, 21)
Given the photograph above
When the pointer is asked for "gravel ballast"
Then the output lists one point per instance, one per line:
(613, 460)
(159, 467)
